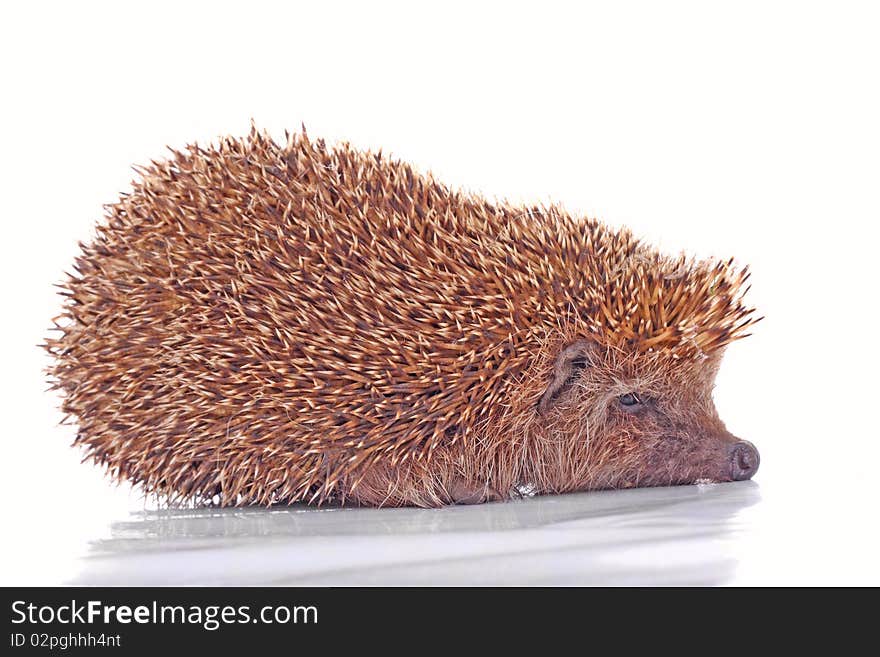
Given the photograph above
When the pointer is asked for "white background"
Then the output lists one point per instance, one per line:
(747, 129)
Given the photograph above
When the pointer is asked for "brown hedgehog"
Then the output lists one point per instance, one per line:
(258, 323)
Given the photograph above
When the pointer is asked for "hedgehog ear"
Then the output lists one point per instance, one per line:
(570, 361)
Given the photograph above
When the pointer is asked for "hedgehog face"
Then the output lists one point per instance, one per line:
(641, 419)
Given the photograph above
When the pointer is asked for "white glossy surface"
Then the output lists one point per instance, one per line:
(683, 535)
(788, 531)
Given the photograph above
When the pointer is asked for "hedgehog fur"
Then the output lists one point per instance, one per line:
(257, 323)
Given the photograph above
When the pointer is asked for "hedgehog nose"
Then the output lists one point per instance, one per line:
(744, 460)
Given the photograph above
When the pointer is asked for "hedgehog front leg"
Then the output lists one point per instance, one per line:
(462, 491)
(419, 485)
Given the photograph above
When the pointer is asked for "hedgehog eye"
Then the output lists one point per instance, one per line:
(630, 400)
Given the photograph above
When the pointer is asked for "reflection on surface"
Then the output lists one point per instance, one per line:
(675, 535)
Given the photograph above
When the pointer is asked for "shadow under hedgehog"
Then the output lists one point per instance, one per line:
(258, 323)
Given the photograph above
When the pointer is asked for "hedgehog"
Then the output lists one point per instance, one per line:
(262, 322)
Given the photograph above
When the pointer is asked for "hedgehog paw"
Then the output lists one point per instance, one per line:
(464, 492)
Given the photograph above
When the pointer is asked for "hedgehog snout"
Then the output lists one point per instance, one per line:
(744, 460)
